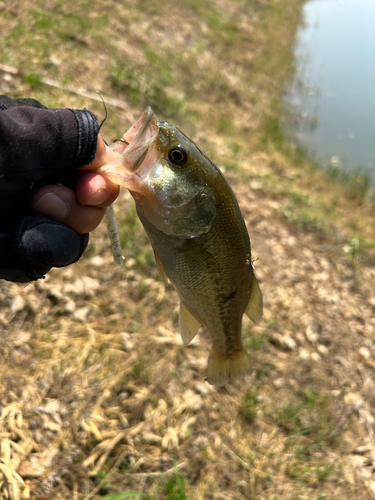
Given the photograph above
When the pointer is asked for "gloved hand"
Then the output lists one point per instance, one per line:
(37, 244)
(40, 151)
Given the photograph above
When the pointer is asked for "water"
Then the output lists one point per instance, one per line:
(332, 93)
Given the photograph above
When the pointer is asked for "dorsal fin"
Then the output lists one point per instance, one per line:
(187, 324)
(254, 309)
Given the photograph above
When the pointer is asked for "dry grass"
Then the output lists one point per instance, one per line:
(97, 393)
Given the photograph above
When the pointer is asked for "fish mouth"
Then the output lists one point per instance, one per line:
(137, 141)
(139, 137)
(142, 128)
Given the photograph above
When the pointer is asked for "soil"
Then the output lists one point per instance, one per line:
(99, 395)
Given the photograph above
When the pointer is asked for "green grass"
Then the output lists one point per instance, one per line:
(125, 494)
(312, 470)
(173, 487)
(34, 80)
(308, 212)
(304, 220)
(42, 33)
(249, 405)
(139, 368)
(169, 77)
(101, 477)
(150, 84)
(273, 134)
(310, 415)
(357, 182)
(360, 250)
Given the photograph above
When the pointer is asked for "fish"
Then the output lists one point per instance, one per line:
(198, 234)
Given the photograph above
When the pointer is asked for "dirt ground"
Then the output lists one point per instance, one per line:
(98, 394)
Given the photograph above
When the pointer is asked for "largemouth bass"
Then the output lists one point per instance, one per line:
(198, 235)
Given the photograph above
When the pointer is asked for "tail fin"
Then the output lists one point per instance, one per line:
(220, 371)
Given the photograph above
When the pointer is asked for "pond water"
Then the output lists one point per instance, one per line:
(332, 93)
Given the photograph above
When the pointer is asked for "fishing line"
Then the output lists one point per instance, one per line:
(105, 109)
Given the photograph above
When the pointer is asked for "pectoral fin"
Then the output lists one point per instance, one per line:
(254, 309)
(187, 324)
(160, 267)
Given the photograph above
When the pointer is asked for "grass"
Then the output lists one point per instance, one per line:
(150, 84)
(249, 405)
(125, 494)
(305, 417)
(173, 488)
(215, 69)
(312, 471)
(357, 183)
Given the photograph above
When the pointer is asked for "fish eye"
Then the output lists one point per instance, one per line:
(178, 155)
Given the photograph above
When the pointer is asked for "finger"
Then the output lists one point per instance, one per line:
(103, 155)
(93, 189)
(60, 203)
(13, 268)
(42, 241)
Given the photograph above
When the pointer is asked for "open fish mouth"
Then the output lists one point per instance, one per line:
(139, 137)
(142, 129)
(135, 146)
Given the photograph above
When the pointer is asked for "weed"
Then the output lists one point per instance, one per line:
(125, 494)
(254, 341)
(304, 219)
(310, 468)
(357, 182)
(42, 21)
(310, 415)
(352, 250)
(103, 349)
(263, 372)
(174, 487)
(252, 456)
(231, 164)
(325, 471)
(249, 405)
(104, 483)
(33, 80)
(224, 125)
(273, 135)
(148, 85)
(18, 31)
(360, 250)
(139, 367)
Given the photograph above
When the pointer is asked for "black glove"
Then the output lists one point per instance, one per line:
(37, 244)
(39, 147)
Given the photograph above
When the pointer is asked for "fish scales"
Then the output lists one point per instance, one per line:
(210, 269)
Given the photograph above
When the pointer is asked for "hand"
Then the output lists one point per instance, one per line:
(39, 243)
(81, 209)
(41, 156)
